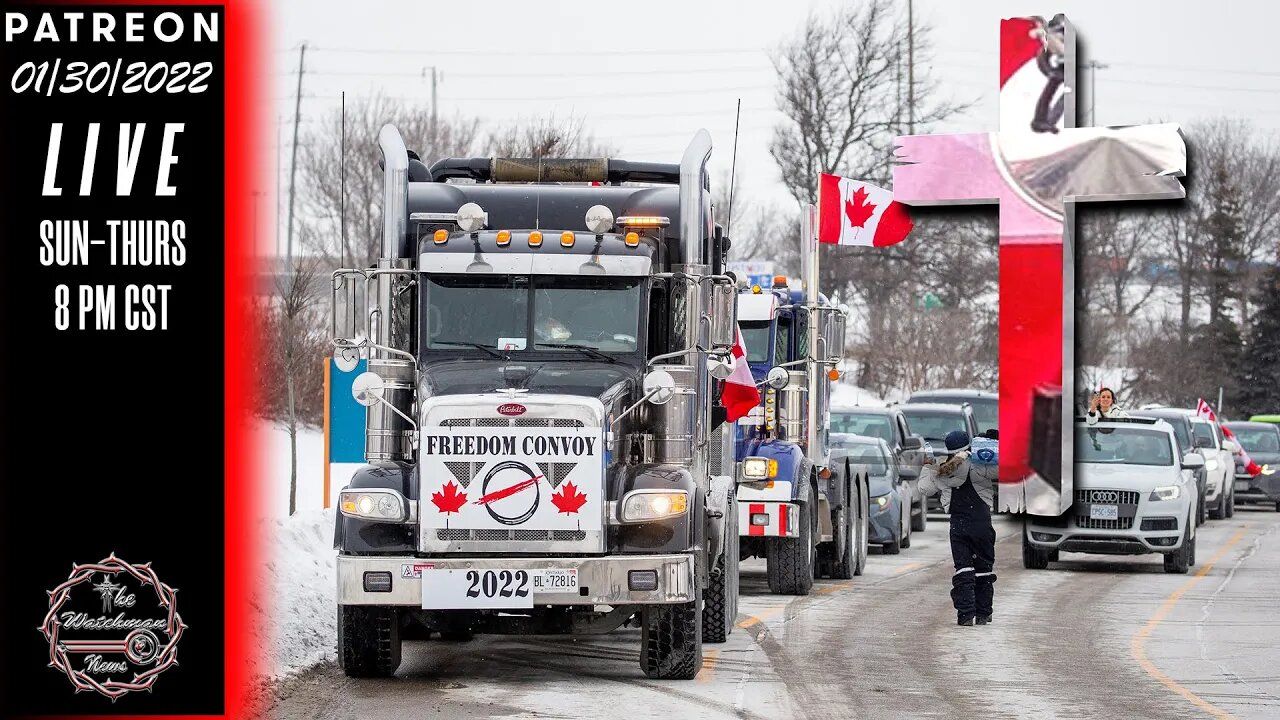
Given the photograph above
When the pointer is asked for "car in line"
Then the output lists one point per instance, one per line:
(1184, 434)
(1134, 495)
(889, 424)
(891, 495)
(1261, 440)
(933, 421)
(1219, 461)
(985, 405)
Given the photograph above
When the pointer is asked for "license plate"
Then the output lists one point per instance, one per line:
(491, 589)
(1243, 485)
(1104, 512)
(555, 581)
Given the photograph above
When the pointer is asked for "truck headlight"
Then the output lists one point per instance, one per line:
(1211, 464)
(880, 501)
(758, 468)
(380, 505)
(646, 505)
(1167, 492)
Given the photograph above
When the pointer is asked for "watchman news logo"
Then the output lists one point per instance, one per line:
(113, 627)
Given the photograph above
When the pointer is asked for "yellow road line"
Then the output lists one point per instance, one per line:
(759, 618)
(1137, 647)
(709, 659)
(835, 588)
(908, 567)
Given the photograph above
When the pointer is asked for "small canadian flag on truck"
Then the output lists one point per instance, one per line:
(852, 212)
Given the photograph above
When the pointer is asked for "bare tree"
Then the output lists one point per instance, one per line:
(841, 88)
(300, 328)
(323, 156)
(547, 137)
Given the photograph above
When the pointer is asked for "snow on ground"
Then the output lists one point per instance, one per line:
(302, 617)
(845, 394)
(300, 613)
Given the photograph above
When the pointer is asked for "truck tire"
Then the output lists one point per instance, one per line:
(790, 562)
(1178, 562)
(860, 537)
(846, 541)
(1231, 500)
(720, 599)
(671, 641)
(906, 539)
(921, 522)
(1033, 558)
(368, 640)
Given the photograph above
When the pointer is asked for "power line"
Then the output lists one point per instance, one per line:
(537, 53)
(545, 75)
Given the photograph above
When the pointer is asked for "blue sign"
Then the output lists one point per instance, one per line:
(346, 416)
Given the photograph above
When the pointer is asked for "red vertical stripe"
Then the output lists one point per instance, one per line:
(830, 222)
(1030, 345)
(752, 528)
(783, 511)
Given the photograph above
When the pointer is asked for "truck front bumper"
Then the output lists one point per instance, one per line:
(768, 519)
(601, 580)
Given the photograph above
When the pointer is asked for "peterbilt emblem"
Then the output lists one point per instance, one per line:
(512, 409)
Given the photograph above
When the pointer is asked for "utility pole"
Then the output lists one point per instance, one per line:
(279, 194)
(434, 79)
(293, 164)
(1094, 66)
(911, 68)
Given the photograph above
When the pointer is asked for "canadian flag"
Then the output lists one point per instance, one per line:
(740, 394)
(851, 212)
(1254, 469)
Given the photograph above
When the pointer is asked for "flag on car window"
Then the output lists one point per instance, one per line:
(851, 212)
(740, 394)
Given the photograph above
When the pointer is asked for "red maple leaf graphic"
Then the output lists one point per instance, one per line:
(568, 500)
(858, 209)
(450, 499)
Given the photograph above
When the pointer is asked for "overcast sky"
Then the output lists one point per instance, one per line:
(646, 75)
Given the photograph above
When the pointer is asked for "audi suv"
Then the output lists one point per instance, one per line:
(1135, 493)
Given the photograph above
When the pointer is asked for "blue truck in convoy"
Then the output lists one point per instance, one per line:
(806, 518)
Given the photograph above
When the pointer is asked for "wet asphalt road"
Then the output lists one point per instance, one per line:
(1091, 637)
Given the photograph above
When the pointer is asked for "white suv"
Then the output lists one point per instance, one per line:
(1134, 495)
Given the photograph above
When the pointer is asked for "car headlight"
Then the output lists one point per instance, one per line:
(646, 505)
(1211, 463)
(380, 505)
(758, 468)
(1167, 492)
(880, 501)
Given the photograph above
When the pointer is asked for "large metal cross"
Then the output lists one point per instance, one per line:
(1037, 167)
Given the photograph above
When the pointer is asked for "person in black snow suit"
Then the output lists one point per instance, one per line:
(967, 492)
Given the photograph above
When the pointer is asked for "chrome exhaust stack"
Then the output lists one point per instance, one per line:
(388, 436)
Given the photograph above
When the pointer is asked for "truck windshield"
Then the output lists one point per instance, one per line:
(1128, 446)
(755, 335)
(522, 312)
(871, 424)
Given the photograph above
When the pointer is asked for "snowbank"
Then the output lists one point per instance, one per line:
(845, 395)
(300, 573)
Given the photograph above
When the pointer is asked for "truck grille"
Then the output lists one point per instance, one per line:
(510, 535)
(1088, 523)
(1107, 497)
(511, 422)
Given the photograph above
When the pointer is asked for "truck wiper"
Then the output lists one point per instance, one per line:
(478, 346)
(586, 349)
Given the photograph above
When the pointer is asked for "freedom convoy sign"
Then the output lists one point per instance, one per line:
(510, 484)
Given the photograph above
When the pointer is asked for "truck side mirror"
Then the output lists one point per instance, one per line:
(724, 317)
(914, 442)
(1192, 461)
